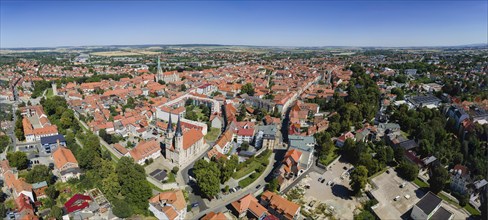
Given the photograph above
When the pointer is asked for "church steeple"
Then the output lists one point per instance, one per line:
(179, 133)
(170, 124)
(159, 74)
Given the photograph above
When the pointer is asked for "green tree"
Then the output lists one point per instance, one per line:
(359, 178)
(56, 213)
(438, 178)
(3, 210)
(4, 142)
(364, 215)
(121, 209)
(38, 174)
(175, 169)
(208, 177)
(134, 186)
(245, 146)
(18, 159)
(52, 192)
(273, 185)
(408, 171)
(248, 89)
(182, 88)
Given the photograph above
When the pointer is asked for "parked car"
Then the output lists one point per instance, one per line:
(258, 186)
(330, 182)
(396, 198)
(322, 181)
(193, 205)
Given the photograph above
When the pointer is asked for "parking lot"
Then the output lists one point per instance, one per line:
(389, 187)
(337, 197)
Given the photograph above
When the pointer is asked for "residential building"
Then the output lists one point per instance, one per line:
(460, 179)
(18, 187)
(266, 137)
(279, 206)
(224, 144)
(66, 163)
(145, 150)
(169, 205)
(215, 216)
(248, 206)
(50, 143)
(428, 101)
(306, 145)
(39, 189)
(290, 168)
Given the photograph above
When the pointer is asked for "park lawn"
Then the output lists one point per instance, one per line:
(49, 93)
(252, 165)
(248, 180)
(420, 183)
(472, 210)
(330, 157)
(246, 170)
(154, 187)
(213, 134)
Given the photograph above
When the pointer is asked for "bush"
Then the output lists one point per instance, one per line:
(175, 169)
(121, 209)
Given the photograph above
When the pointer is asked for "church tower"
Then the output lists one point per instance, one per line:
(169, 134)
(159, 74)
(178, 136)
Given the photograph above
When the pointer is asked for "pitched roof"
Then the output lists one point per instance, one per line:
(280, 204)
(175, 198)
(214, 216)
(294, 154)
(62, 156)
(191, 137)
(73, 204)
(250, 203)
(145, 149)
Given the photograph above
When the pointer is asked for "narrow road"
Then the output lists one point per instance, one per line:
(102, 142)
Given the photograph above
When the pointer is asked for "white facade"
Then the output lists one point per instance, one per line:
(159, 214)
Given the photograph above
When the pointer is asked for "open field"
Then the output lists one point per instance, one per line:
(123, 53)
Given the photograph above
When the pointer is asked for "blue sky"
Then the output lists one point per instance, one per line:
(266, 23)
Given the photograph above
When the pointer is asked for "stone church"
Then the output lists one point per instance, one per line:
(183, 147)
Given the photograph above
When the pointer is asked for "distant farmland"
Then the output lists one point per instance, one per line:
(120, 53)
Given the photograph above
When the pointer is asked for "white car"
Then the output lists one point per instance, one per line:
(329, 183)
(397, 198)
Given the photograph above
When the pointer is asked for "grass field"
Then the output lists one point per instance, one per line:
(420, 183)
(247, 169)
(213, 134)
(252, 164)
(49, 93)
